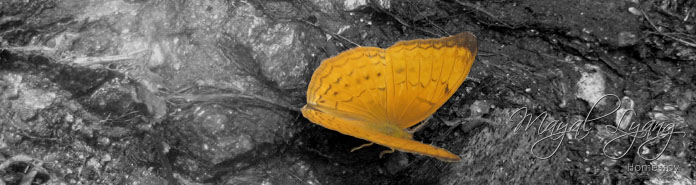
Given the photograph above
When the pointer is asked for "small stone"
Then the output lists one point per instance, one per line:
(635, 11)
(625, 113)
(686, 100)
(157, 57)
(479, 108)
(669, 107)
(69, 118)
(93, 162)
(104, 141)
(591, 85)
(609, 162)
(397, 161)
(351, 5)
(627, 39)
(11, 83)
(106, 158)
(644, 150)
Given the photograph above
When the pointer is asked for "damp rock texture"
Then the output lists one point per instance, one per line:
(208, 92)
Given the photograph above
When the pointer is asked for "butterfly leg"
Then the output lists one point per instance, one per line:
(386, 152)
(361, 146)
(420, 126)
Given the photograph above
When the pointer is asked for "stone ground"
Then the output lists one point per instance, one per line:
(207, 92)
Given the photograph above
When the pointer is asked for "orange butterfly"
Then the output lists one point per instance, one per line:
(374, 94)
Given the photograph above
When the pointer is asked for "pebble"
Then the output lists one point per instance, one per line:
(625, 113)
(479, 108)
(627, 38)
(609, 162)
(396, 163)
(635, 11)
(351, 5)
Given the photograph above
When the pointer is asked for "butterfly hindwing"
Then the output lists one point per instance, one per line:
(351, 84)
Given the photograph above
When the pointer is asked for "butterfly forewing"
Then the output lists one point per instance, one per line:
(425, 73)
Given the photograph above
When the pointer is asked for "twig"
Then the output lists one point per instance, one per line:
(675, 38)
(35, 167)
(212, 97)
(489, 14)
(435, 25)
(402, 22)
(340, 36)
(477, 8)
(20, 131)
(438, 27)
(331, 33)
(479, 119)
(688, 14)
(106, 59)
(31, 48)
(659, 32)
(649, 21)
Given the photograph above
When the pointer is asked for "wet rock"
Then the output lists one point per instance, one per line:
(112, 98)
(234, 47)
(216, 133)
(267, 50)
